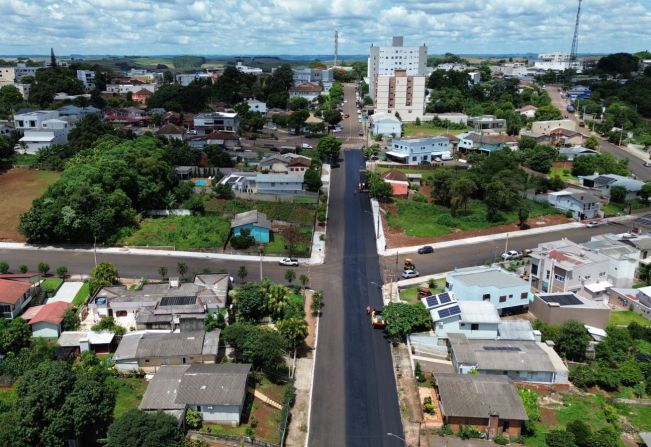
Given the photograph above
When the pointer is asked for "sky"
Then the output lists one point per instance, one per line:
(300, 27)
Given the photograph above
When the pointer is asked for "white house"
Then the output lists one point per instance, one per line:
(41, 128)
(528, 111)
(87, 77)
(385, 125)
(257, 106)
(419, 150)
(307, 90)
(123, 89)
(604, 184)
(172, 131)
(205, 123)
(290, 183)
(583, 204)
(217, 391)
(505, 290)
(7, 76)
(246, 69)
(474, 77)
(556, 62)
(544, 127)
(623, 259)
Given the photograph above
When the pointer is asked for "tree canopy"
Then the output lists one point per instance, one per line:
(402, 319)
(262, 347)
(135, 428)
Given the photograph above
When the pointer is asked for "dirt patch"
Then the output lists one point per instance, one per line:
(548, 416)
(310, 319)
(19, 187)
(397, 238)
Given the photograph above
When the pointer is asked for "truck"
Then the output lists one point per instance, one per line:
(571, 108)
(377, 321)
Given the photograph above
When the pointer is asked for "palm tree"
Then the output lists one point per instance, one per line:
(242, 273)
(304, 279)
(290, 275)
(43, 267)
(278, 297)
(162, 271)
(182, 268)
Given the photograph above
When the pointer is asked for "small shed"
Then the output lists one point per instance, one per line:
(255, 221)
(45, 320)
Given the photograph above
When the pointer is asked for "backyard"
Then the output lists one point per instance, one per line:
(410, 294)
(420, 219)
(129, 393)
(426, 130)
(564, 173)
(20, 186)
(625, 317)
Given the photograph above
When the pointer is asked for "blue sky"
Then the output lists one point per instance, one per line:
(307, 26)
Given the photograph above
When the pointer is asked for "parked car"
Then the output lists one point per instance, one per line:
(425, 250)
(360, 133)
(594, 223)
(289, 262)
(306, 146)
(377, 321)
(647, 164)
(410, 274)
(511, 254)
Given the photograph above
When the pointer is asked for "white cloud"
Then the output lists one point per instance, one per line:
(307, 26)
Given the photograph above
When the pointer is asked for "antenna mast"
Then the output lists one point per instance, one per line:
(336, 46)
(575, 40)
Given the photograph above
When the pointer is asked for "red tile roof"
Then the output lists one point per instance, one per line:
(171, 129)
(19, 275)
(394, 174)
(51, 313)
(307, 87)
(220, 135)
(12, 291)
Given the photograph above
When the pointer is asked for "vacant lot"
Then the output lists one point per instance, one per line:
(625, 317)
(302, 214)
(182, 232)
(427, 220)
(129, 393)
(19, 187)
(427, 130)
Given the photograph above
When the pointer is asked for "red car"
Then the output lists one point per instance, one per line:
(347, 115)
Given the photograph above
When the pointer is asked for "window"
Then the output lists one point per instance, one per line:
(503, 299)
(558, 277)
(487, 297)
(121, 313)
(474, 327)
(547, 274)
(524, 295)
(510, 296)
(32, 124)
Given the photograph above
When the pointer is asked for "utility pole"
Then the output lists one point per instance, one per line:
(336, 46)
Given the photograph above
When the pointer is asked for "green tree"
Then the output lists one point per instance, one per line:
(548, 113)
(591, 142)
(618, 194)
(242, 273)
(250, 302)
(261, 346)
(43, 267)
(618, 63)
(223, 191)
(317, 302)
(604, 437)
(277, 299)
(294, 330)
(14, 335)
(523, 215)
(441, 181)
(304, 280)
(645, 192)
(193, 419)
(581, 431)
(103, 274)
(297, 120)
(559, 438)
(298, 103)
(181, 269)
(62, 271)
(572, 341)
(328, 148)
(378, 188)
(162, 271)
(312, 180)
(22, 268)
(290, 275)
(4, 267)
(87, 131)
(136, 428)
(460, 191)
(71, 321)
(402, 319)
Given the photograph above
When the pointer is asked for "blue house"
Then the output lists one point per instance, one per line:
(256, 222)
(506, 290)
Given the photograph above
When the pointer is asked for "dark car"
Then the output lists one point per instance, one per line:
(425, 250)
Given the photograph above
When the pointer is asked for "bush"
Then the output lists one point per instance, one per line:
(193, 419)
(500, 440)
(243, 241)
(469, 432)
(428, 406)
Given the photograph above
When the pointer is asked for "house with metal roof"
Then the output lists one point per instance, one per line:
(521, 360)
(489, 403)
(256, 222)
(572, 152)
(413, 151)
(505, 290)
(581, 203)
(149, 350)
(624, 259)
(217, 391)
(167, 306)
(605, 182)
(557, 308)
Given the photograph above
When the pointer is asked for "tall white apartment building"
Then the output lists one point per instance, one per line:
(384, 61)
(556, 62)
(402, 94)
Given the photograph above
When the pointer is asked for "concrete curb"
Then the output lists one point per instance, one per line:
(309, 407)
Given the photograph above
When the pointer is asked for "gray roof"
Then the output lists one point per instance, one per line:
(629, 183)
(157, 344)
(486, 277)
(478, 312)
(280, 178)
(515, 330)
(251, 217)
(163, 388)
(472, 396)
(642, 243)
(174, 387)
(576, 150)
(646, 438)
(501, 355)
(222, 384)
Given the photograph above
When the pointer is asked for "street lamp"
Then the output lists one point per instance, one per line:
(396, 436)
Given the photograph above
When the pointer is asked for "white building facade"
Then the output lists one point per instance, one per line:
(401, 94)
(384, 61)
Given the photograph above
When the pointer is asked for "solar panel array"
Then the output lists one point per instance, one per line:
(178, 300)
(605, 180)
(449, 312)
(644, 220)
(432, 301)
(445, 298)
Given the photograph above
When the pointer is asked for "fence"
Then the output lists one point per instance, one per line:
(229, 440)
(303, 197)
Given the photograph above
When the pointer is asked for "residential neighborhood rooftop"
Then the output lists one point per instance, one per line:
(484, 276)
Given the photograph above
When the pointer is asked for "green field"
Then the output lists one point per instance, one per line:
(81, 296)
(564, 173)
(277, 244)
(625, 317)
(51, 285)
(426, 130)
(181, 232)
(129, 393)
(426, 220)
(410, 294)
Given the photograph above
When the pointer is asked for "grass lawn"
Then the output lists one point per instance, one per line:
(426, 130)
(182, 232)
(638, 415)
(51, 285)
(424, 172)
(7, 395)
(427, 220)
(613, 209)
(298, 213)
(20, 186)
(81, 296)
(267, 423)
(129, 393)
(624, 317)
(410, 294)
(564, 173)
(277, 244)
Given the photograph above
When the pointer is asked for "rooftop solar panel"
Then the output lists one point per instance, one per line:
(454, 310)
(432, 301)
(178, 300)
(563, 300)
(444, 298)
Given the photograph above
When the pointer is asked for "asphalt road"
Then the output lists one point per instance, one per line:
(446, 259)
(635, 164)
(351, 125)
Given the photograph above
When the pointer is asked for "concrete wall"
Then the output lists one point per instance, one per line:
(559, 315)
(46, 330)
(221, 414)
(513, 295)
(455, 423)
(454, 326)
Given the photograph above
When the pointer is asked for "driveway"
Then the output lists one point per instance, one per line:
(66, 292)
